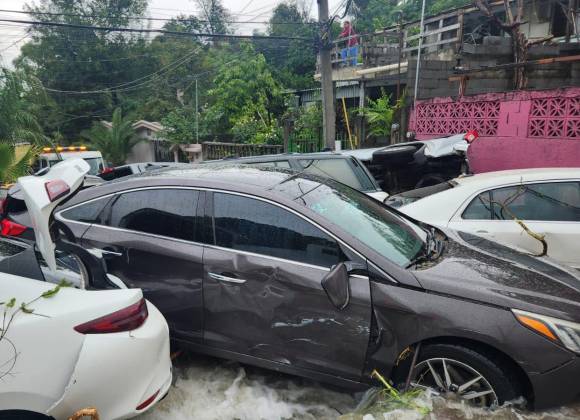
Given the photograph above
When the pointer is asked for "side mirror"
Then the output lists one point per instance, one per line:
(336, 284)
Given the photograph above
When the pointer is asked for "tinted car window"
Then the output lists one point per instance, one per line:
(555, 201)
(88, 213)
(479, 208)
(255, 226)
(341, 170)
(161, 212)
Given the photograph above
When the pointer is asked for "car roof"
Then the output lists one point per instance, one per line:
(491, 179)
(219, 174)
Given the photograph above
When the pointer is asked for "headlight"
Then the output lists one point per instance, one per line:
(565, 332)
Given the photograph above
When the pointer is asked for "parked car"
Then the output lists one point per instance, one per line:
(338, 166)
(406, 166)
(304, 275)
(63, 349)
(546, 200)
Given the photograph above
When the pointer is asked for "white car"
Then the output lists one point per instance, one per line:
(546, 200)
(64, 349)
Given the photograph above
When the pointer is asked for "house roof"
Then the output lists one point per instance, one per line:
(151, 125)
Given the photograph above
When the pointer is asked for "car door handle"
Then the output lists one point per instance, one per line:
(221, 277)
(481, 231)
(112, 253)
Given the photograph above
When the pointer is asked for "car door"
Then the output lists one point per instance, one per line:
(551, 209)
(263, 295)
(147, 238)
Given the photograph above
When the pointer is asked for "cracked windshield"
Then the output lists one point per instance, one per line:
(289, 209)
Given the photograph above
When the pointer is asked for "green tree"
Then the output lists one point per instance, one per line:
(115, 143)
(179, 128)
(18, 124)
(293, 62)
(244, 88)
(66, 59)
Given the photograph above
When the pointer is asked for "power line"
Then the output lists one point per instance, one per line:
(160, 31)
(154, 19)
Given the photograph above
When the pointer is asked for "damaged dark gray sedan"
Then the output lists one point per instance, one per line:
(307, 276)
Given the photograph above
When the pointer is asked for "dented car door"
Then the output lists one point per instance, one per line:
(263, 294)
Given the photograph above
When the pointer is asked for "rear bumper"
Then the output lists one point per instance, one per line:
(115, 373)
(559, 386)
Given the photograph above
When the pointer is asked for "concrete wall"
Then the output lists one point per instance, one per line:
(519, 129)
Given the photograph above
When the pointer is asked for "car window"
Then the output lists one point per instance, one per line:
(338, 169)
(90, 212)
(251, 225)
(553, 201)
(479, 208)
(166, 212)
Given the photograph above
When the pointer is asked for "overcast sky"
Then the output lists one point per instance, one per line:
(12, 36)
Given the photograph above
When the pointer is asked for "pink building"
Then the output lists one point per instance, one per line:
(517, 129)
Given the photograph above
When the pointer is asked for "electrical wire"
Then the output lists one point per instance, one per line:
(160, 31)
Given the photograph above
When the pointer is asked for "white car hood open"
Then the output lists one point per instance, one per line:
(40, 208)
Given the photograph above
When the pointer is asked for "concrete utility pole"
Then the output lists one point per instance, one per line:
(328, 100)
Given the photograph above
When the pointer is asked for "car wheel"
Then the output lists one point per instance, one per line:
(466, 374)
(22, 415)
(429, 180)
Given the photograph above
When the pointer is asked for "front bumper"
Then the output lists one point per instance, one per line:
(558, 386)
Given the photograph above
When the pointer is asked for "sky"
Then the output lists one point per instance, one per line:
(12, 36)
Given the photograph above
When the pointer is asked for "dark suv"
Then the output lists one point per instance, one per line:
(305, 275)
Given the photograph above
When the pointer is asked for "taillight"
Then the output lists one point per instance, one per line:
(147, 402)
(10, 228)
(471, 136)
(127, 319)
(56, 189)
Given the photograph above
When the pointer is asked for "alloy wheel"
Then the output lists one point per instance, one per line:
(451, 377)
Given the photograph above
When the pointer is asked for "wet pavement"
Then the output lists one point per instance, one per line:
(207, 388)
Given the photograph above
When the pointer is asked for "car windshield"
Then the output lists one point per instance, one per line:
(389, 234)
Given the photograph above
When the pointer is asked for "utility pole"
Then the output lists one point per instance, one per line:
(328, 102)
(421, 35)
(196, 115)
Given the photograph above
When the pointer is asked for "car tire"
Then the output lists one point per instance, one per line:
(22, 415)
(464, 365)
(429, 181)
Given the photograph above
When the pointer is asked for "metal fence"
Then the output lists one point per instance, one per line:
(215, 150)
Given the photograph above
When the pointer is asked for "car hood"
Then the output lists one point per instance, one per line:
(475, 268)
(40, 207)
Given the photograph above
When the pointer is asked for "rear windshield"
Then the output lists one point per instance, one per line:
(419, 193)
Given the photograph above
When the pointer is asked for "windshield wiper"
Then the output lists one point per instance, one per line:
(430, 250)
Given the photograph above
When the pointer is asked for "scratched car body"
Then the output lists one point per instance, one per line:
(307, 276)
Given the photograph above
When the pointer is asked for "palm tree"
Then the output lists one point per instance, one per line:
(115, 143)
(19, 127)
(13, 165)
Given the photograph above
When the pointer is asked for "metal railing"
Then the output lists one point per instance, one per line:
(215, 150)
(391, 45)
